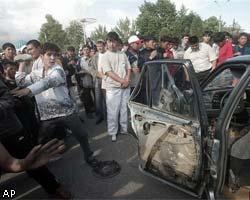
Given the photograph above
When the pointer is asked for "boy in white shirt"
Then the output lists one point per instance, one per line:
(116, 67)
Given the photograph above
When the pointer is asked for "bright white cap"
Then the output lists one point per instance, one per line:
(133, 39)
(23, 47)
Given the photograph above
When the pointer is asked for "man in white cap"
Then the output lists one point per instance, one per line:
(135, 45)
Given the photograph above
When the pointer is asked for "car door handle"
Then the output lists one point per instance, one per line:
(146, 128)
(139, 117)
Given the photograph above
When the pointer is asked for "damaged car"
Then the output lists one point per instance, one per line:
(194, 136)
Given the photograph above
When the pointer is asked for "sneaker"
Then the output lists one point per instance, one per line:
(92, 162)
(113, 138)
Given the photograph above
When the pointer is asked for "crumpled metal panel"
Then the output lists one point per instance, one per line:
(170, 149)
(241, 149)
(177, 153)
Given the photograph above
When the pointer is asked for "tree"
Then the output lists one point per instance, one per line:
(180, 22)
(196, 26)
(52, 31)
(125, 28)
(167, 16)
(186, 23)
(99, 33)
(157, 18)
(75, 34)
(211, 24)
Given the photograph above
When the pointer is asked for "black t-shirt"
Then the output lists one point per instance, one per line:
(25, 110)
(9, 123)
(69, 68)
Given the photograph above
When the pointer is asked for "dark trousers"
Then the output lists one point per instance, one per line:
(100, 100)
(19, 145)
(87, 99)
(202, 75)
(74, 123)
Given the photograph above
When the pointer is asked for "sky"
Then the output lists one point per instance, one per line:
(22, 19)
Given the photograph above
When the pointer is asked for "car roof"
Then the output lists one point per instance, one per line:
(238, 59)
(184, 61)
(234, 60)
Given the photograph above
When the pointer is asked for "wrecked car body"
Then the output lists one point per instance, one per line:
(193, 136)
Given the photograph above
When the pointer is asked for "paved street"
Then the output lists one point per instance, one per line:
(75, 174)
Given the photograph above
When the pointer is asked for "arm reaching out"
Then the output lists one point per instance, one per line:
(37, 157)
(54, 79)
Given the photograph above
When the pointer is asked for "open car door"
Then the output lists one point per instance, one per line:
(169, 120)
(226, 96)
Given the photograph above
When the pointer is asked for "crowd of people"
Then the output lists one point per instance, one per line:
(39, 85)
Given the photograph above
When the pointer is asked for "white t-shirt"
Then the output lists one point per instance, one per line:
(100, 69)
(37, 64)
(100, 61)
(116, 62)
(202, 58)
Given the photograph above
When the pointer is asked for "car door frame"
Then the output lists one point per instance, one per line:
(225, 116)
(200, 109)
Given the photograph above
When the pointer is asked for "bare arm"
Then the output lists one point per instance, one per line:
(128, 74)
(54, 79)
(7, 162)
(37, 157)
(213, 64)
(22, 79)
(100, 75)
(115, 77)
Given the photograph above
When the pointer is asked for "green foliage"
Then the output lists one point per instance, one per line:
(125, 28)
(99, 33)
(196, 26)
(186, 23)
(163, 32)
(180, 21)
(161, 18)
(157, 18)
(52, 31)
(75, 34)
(211, 24)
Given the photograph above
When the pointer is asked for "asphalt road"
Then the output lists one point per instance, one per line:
(76, 175)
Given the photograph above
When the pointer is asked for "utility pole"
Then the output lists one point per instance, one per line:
(220, 23)
(233, 26)
(86, 21)
(220, 18)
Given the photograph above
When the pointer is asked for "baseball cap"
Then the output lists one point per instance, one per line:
(23, 47)
(133, 39)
